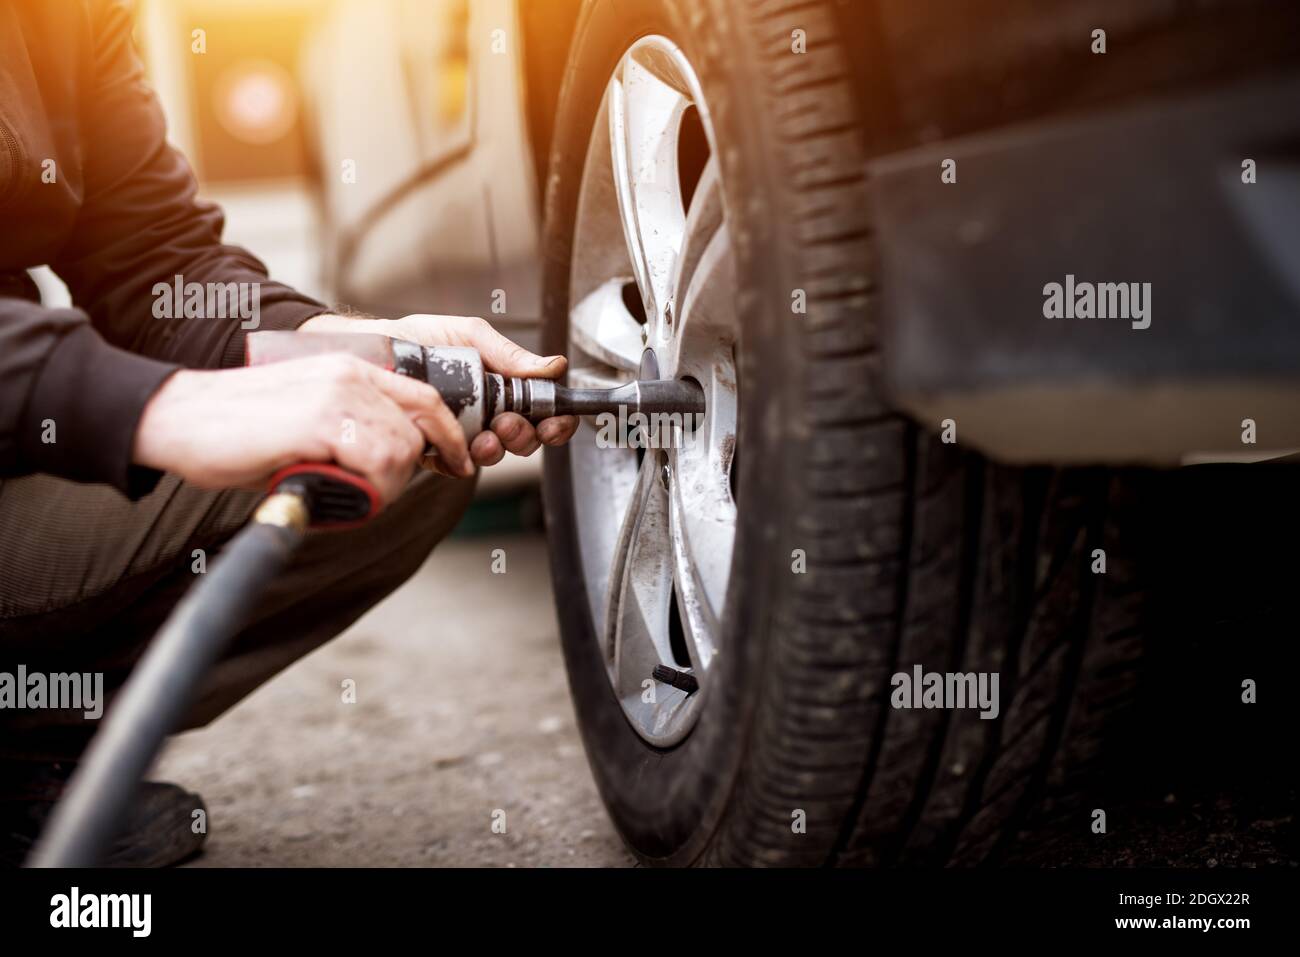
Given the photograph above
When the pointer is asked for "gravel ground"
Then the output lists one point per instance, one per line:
(454, 722)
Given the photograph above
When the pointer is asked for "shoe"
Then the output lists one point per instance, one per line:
(162, 828)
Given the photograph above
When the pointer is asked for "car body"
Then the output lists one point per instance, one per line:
(446, 206)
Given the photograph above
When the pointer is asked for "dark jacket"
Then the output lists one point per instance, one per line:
(120, 216)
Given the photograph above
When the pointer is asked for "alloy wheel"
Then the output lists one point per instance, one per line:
(652, 294)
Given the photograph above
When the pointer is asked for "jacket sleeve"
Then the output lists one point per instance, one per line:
(69, 401)
(141, 224)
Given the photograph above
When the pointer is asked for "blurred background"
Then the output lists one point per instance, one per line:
(373, 152)
(235, 110)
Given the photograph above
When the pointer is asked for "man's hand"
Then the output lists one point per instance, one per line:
(237, 427)
(510, 432)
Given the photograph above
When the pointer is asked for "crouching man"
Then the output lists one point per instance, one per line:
(133, 446)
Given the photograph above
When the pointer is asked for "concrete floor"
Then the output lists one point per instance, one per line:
(454, 721)
(462, 712)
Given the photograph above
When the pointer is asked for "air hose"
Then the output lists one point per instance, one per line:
(154, 700)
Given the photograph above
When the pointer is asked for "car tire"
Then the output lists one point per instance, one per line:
(865, 544)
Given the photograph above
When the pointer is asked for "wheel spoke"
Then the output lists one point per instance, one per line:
(702, 522)
(601, 326)
(702, 511)
(706, 321)
(604, 486)
(645, 115)
(703, 220)
(642, 581)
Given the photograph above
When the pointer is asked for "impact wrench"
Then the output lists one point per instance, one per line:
(310, 495)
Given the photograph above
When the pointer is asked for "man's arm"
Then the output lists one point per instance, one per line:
(142, 224)
(73, 395)
(69, 401)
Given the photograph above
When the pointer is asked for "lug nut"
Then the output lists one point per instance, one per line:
(678, 679)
